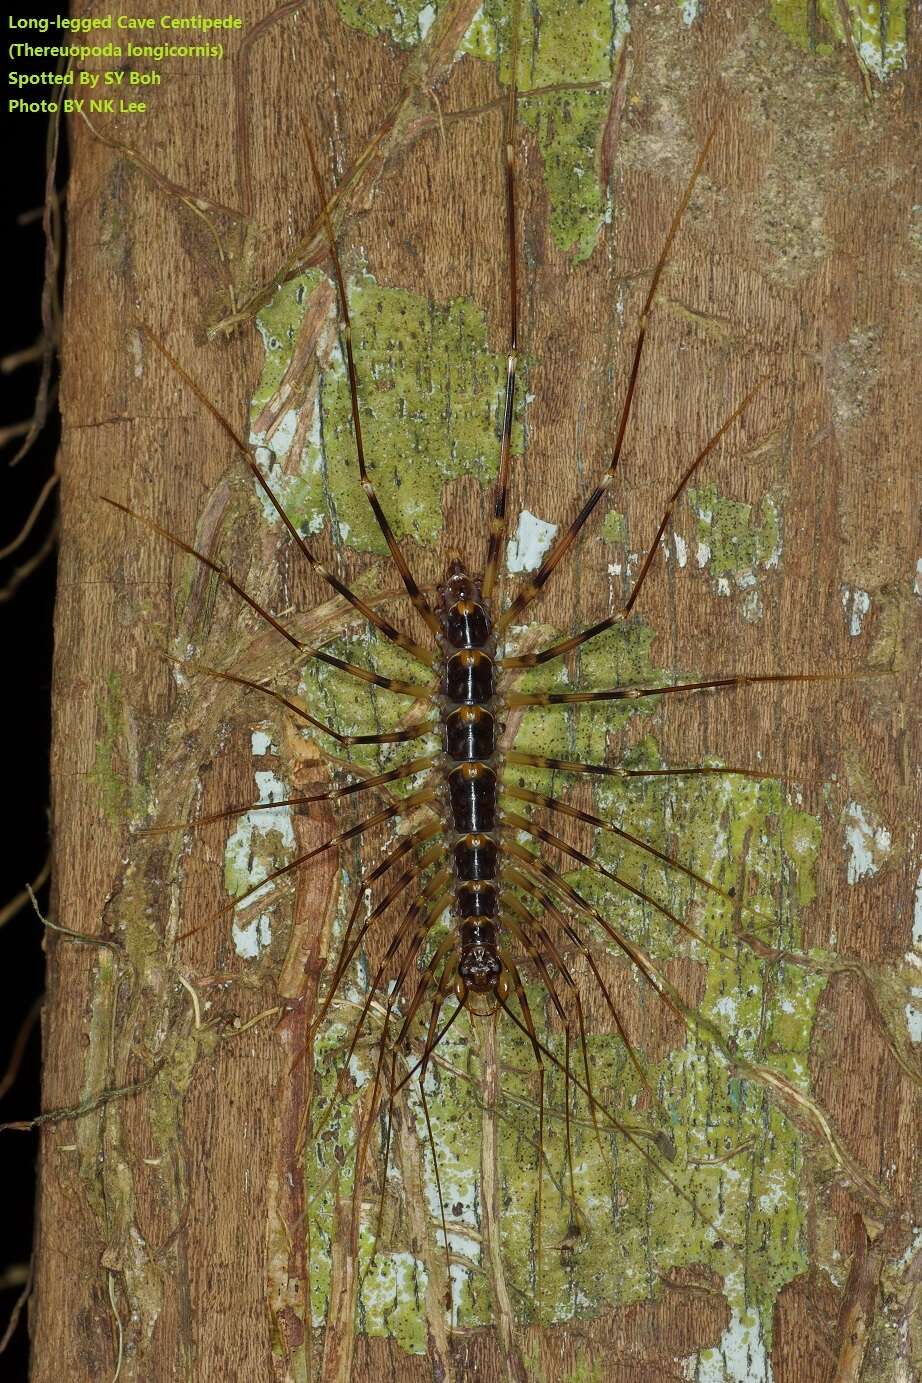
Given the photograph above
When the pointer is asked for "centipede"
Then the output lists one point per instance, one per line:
(508, 884)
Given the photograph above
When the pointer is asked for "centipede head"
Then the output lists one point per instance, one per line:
(463, 613)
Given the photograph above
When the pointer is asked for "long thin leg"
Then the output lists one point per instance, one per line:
(513, 822)
(535, 865)
(424, 655)
(563, 544)
(449, 1301)
(420, 603)
(349, 947)
(625, 1133)
(404, 688)
(501, 492)
(423, 928)
(535, 954)
(554, 804)
(515, 756)
(672, 689)
(393, 775)
(522, 997)
(514, 876)
(409, 804)
(567, 645)
(410, 732)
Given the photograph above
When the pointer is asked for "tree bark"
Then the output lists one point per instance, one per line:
(195, 1208)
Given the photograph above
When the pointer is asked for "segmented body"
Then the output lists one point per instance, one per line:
(468, 708)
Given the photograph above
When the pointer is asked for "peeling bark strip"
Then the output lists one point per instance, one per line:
(197, 1216)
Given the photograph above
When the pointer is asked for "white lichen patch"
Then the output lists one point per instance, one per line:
(917, 914)
(856, 603)
(917, 581)
(914, 1017)
(734, 545)
(868, 843)
(261, 842)
(531, 540)
(742, 1355)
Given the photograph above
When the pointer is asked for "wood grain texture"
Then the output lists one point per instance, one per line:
(172, 1219)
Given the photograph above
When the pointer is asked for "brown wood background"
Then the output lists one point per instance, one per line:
(802, 261)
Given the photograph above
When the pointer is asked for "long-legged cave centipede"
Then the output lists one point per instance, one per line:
(518, 902)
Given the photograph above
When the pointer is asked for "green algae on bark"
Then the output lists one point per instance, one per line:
(877, 31)
(122, 795)
(735, 549)
(567, 60)
(430, 393)
(735, 1156)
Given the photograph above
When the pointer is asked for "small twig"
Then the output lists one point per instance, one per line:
(19, 900)
(8, 1079)
(16, 359)
(23, 573)
(118, 1327)
(16, 1312)
(85, 938)
(58, 1116)
(196, 1007)
(37, 507)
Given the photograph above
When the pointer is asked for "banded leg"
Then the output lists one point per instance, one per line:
(410, 732)
(674, 688)
(418, 693)
(567, 645)
(409, 804)
(420, 603)
(561, 547)
(513, 822)
(515, 877)
(527, 760)
(554, 804)
(393, 775)
(501, 491)
(390, 632)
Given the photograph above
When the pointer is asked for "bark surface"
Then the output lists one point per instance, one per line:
(173, 1239)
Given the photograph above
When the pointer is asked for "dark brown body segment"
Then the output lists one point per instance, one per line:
(468, 702)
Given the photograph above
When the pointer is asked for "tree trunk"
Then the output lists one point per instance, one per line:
(752, 1220)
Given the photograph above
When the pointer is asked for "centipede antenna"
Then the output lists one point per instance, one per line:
(567, 645)
(410, 732)
(420, 603)
(563, 544)
(390, 631)
(501, 491)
